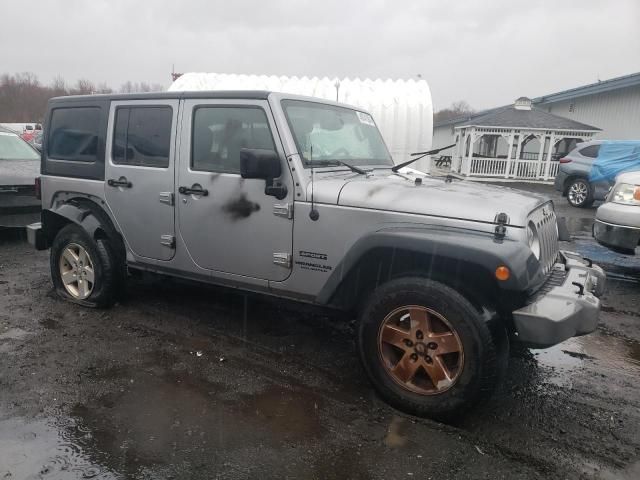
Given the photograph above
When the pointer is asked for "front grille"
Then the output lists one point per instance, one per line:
(544, 219)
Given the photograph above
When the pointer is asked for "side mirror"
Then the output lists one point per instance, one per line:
(258, 163)
(264, 164)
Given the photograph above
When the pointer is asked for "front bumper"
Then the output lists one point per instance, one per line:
(616, 237)
(566, 306)
(18, 219)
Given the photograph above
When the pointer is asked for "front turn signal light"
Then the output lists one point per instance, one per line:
(503, 273)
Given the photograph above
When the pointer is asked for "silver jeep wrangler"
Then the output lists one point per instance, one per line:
(297, 197)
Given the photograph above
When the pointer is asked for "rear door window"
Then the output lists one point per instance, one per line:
(142, 136)
(591, 151)
(74, 134)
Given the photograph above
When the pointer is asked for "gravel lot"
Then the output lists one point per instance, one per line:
(190, 381)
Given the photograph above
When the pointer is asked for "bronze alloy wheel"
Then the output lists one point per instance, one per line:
(420, 350)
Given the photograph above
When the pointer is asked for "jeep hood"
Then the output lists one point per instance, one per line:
(433, 196)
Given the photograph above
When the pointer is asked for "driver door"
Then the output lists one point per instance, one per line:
(228, 224)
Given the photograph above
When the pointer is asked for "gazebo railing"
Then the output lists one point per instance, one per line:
(518, 169)
(488, 167)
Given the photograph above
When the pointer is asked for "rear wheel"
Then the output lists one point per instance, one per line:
(579, 193)
(83, 270)
(426, 348)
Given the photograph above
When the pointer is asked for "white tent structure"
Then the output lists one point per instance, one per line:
(402, 109)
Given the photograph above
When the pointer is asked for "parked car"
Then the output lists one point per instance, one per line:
(573, 176)
(36, 141)
(617, 224)
(19, 167)
(299, 198)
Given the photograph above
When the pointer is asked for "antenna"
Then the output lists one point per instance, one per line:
(313, 214)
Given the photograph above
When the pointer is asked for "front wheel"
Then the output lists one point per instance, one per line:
(579, 193)
(426, 349)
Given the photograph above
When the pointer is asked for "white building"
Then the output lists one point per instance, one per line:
(611, 105)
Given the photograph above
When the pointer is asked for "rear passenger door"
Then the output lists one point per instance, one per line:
(139, 183)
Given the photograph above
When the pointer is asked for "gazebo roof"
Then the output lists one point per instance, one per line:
(534, 118)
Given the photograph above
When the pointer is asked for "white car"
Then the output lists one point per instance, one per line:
(617, 224)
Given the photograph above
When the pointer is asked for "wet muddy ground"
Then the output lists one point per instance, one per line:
(190, 381)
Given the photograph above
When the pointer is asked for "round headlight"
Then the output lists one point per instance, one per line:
(534, 239)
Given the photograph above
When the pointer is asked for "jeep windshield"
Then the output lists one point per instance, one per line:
(329, 135)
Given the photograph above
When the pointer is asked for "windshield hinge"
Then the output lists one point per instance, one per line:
(168, 241)
(283, 210)
(282, 259)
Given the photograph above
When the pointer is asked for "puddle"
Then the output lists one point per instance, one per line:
(396, 437)
(44, 449)
(158, 417)
(49, 323)
(605, 352)
(618, 266)
(579, 225)
(158, 422)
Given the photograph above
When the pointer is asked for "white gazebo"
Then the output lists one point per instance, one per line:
(518, 141)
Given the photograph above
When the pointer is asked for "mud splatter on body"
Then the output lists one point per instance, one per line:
(240, 207)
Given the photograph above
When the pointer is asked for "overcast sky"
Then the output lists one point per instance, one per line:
(486, 52)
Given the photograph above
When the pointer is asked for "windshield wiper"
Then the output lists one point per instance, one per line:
(418, 156)
(335, 163)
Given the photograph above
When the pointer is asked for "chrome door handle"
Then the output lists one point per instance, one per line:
(121, 182)
(193, 191)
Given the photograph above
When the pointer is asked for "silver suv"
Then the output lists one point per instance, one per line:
(299, 198)
(573, 176)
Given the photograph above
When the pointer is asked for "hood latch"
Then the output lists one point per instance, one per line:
(502, 220)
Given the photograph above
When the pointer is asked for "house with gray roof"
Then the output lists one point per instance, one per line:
(607, 109)
(517, 141)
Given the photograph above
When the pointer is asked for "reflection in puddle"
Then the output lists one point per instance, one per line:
(44, 449)
(608, 353)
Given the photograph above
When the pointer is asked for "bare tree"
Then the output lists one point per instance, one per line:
(58, 86)
(24, 99)
(83, 87)
(127, 87)
(459, 109)
(140, 87)
(103, 88)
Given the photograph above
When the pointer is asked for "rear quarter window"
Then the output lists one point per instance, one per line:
(74, 134)
(591, 151)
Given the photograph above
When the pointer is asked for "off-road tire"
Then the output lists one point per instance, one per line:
(483, 357)
(583, 200)
(106, 284)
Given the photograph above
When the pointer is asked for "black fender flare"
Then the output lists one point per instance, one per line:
(462, 246)
(85, 213)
